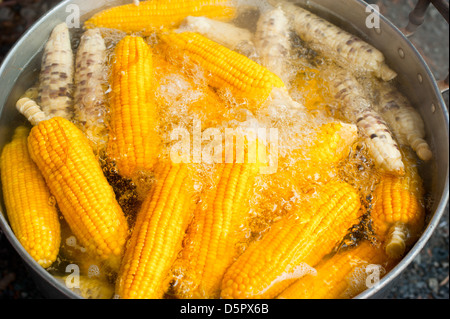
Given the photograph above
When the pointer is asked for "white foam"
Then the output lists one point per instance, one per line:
(299, 271)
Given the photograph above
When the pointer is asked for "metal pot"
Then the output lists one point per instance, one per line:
(20, 69)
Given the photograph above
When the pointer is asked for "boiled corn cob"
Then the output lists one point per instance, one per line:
(56, 76)
(334, 42)
(398, 210)
(86, 200)
(343, 275)
(273, 198)
(356, 108)
(272, 42)
(152, 15)
(89, 97)
(294, 243)
(308, 89)
(227, 69)
(182, 98)
(317, 162)
(158, 234)
(211, 241)
(134, 141)
(226, 34)
(33, 218)
(406, 123)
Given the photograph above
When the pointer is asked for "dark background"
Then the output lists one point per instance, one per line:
(428, 275)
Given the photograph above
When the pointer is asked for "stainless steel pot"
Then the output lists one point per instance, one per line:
(20, 69)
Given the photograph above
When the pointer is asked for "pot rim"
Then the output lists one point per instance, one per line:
(433, 223)
(368, 293)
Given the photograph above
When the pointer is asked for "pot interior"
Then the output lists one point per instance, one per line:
(21, 68)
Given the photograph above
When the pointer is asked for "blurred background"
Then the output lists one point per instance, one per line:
(428, 275)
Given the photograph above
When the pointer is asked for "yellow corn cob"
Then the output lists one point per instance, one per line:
(272, 42)
(332, 143)
(90, 288)
(211, 241)
(317, 162)
(334, 42)
(274, 196)
(158, 234)
(398, 212)
(293, 244)
(86, 200)
(357, 109)
(308, 88)
(344, 275)
(33, 217)
(181, 98)
(151, 15)
(56, 76)
(227, 69)
(406, 123)
(89, 96)
(133, 142)
(226, 34)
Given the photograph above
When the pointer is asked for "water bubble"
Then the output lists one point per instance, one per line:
(52, 201)
(71, 241)
(93, 271)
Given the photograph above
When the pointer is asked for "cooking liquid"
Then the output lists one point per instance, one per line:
(180, 92)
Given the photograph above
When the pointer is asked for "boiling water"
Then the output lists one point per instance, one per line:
(181, 94)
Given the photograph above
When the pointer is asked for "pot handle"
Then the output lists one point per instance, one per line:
(416, 19)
